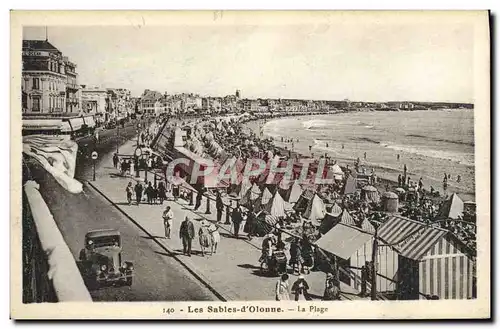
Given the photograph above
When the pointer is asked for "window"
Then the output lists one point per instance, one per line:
(36, 83)
(36, 104)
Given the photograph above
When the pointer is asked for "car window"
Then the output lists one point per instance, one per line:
(103, 241)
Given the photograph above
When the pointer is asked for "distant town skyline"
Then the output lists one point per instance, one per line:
(373, 63)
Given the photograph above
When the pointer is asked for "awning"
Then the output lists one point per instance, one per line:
(76, 123)
(343, 241)
(41, 124)
(410, 238)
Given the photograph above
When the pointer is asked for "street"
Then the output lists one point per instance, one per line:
(157, 276)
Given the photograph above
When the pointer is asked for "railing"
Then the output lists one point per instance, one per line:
(50, 273)
(37, 287)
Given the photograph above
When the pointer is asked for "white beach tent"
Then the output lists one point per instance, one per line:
(294, 192)
(337, 172)
(276, 207)
(316, 210)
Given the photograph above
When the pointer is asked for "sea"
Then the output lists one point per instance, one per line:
(430, 143)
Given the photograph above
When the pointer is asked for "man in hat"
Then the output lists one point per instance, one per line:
(237, 218)
(186, 234)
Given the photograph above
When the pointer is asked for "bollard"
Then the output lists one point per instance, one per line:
(191, 198)
(208, 206)
(227, 215)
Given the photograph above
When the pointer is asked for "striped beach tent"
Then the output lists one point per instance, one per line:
(265, 223)
(365, 225)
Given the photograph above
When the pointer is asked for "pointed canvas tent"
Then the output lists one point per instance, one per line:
(263, 199)
(347, 219)
(331, 219)
(337, 172)
(276, 206)
(251, 197)
(244, 187)
(303, 202)
(350, 185)
(293, 194)
(316, 210)
(452, 208)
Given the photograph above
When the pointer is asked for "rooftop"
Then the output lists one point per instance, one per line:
(39, 45)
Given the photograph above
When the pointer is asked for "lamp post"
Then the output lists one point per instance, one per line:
(146, 158)
(118, 138)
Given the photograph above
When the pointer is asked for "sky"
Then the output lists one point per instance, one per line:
(359, 62)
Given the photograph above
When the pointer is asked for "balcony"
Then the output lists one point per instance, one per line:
(72, 100)
(72, 86)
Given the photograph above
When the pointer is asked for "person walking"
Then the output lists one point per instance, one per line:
(199, 195)
(219, 205)
(332, 291)
(420, 184)
(138, 192)
(300, 289)
(236, 218)
(128, 190)
(250, 224)
(168, 216)
(295, 255)
(282, 288)
(149, 193)
(162, 195)
(115, 160)
(186, 234)
(364, 280)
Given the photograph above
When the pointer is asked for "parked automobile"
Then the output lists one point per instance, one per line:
(101, 260)
(110, 125)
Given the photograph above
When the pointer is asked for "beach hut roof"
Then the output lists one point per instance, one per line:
(343, 240)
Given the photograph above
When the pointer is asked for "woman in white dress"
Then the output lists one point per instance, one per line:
(214, 232)
(282, 288)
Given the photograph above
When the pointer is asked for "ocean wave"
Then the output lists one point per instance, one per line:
(460, 158)
(441, 139)
(311, 124)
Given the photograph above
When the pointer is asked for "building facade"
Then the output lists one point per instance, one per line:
(45, 74)
(94, 101)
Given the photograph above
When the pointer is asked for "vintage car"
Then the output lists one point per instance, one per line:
(101, 260)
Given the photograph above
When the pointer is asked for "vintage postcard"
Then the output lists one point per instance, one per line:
(250, 165)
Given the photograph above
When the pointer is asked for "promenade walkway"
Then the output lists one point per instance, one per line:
(233, 271)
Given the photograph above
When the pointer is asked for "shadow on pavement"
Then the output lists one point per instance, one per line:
(249, 266)
(152, 237)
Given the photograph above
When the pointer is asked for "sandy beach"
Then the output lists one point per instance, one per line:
(347, 136)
